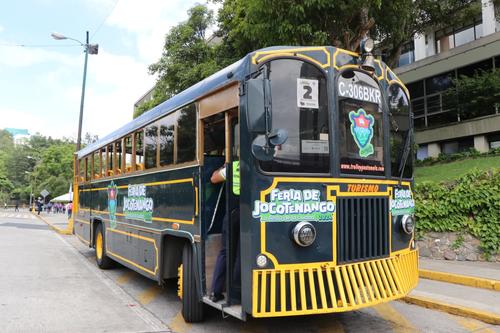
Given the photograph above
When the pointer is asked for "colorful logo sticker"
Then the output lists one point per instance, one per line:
(402, 204)
(136, 205)
(112, 195)
(294, 205)
(362, 131)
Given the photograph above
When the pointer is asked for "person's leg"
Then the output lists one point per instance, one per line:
(219, 278)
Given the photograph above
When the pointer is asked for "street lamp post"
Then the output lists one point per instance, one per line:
(88, 48)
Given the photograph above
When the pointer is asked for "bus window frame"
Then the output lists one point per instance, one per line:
(410, 159)
(330, 109)
(113, 173)
(385, 130)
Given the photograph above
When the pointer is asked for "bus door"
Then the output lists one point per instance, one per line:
(221, 202)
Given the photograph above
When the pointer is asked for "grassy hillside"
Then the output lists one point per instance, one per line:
(453, 170)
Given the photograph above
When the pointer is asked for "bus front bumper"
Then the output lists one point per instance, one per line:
(324, 288)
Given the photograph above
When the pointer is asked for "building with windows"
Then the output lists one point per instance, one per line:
(429, 65)
(19, 135)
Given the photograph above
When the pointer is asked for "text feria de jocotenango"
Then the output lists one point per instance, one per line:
(316, 213)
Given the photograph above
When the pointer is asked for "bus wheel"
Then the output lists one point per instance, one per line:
(103, 261)
(192, 306)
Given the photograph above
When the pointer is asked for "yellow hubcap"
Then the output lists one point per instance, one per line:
(98, 246)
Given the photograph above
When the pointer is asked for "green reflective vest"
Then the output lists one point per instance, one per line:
(236, 177)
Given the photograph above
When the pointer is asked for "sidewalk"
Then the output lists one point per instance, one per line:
(463, 288)
(58, 222)
(479, 269)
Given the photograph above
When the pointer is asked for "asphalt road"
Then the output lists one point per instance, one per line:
(50, 283)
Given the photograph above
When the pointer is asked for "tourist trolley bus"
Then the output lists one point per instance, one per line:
(316, 142)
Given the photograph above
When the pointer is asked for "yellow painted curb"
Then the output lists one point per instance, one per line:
(68, 230)
(465, 280)
(487, 317)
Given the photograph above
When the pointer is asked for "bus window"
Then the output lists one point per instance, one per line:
(361, 131)
(87, 168)
(307, 148)
(118, 157)
(128, 154)
(186, 134)
(167, 134)
(96, 161)
(111, 158)
(103, 162)
(213, 135)
(139, 150)
(150, 144)
(81, 169)
(399, 114)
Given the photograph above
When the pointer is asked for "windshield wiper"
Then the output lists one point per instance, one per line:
(406, 152)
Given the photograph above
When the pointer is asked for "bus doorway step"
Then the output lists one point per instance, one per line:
(233, 310)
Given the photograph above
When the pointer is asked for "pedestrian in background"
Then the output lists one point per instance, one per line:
(69, 208)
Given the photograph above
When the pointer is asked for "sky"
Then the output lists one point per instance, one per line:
(41, 83)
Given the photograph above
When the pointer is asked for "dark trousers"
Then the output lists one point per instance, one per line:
(219, 278)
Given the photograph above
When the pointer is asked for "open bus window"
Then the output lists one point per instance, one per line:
(361, 124)
(103, 162)
(167, 139)
(97, 164)
(400, 124)
(118, 157)
(213, 135)
(150, 144)
(87, 168)
(139, 150)
(186, 134)
(111, 158)
(81, 170)
(300, 107)
(128, 153)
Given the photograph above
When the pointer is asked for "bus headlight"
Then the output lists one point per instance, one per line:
(304, 234)
(261, 261)
(408, 224)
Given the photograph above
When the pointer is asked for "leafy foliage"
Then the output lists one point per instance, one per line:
(478, 95)
(470, 204)
(187, 57)
(43, 162)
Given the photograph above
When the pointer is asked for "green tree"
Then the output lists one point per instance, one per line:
(245, 25)
(477, 95)
(187, 57)
(54, 171)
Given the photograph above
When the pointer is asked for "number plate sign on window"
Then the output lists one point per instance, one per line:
(307, 93)
(359, 91)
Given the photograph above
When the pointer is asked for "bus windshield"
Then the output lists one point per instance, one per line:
(361, 124)
(299, 106)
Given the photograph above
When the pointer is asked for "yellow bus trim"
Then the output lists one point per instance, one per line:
(151, 240)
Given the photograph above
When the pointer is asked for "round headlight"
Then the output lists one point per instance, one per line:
(368, 45)
(261, 260)
(408, 224)
(304, 233)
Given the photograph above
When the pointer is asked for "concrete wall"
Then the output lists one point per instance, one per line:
(473, 127)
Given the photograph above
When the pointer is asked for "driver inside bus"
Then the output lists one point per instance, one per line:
(219, 277)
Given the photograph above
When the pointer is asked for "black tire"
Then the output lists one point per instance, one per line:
(192, 306)
(103, 261)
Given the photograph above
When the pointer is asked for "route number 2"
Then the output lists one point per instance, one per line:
(307, 93)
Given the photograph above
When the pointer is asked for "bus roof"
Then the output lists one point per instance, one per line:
(211, 83)
(191, 94)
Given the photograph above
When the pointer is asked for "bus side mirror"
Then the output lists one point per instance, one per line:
(259, 105)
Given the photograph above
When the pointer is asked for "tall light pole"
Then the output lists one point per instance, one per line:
(88, 48)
